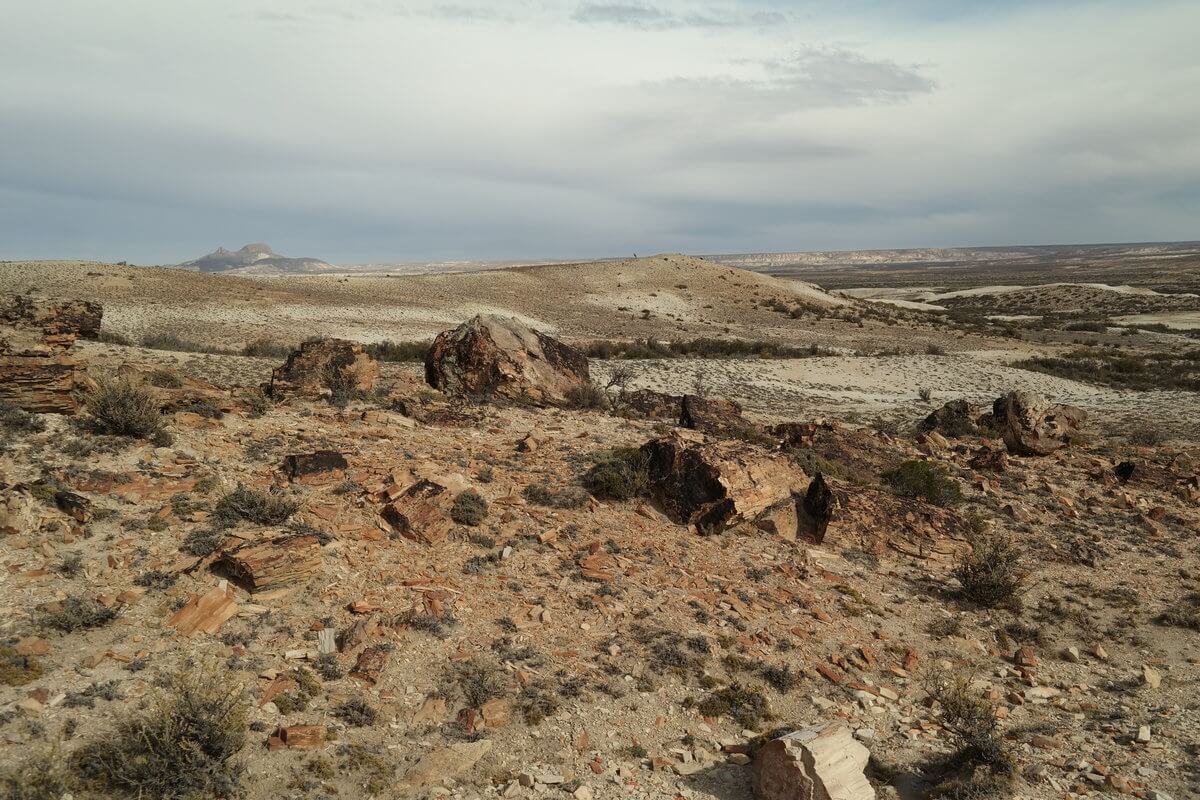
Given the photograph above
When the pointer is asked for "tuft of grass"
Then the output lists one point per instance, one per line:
(16, 669)
(14, 419)
(1153, 371)
(926, 480)
(356, 712)
(1183, 613)
(542, 494)
(113, 337)
(266, 348)
(745, 705)
(475, 682)
(587, 396)
(469, 508)
(398, 351)
(537, 701)
(254, 505)
(164, 379)
(202, 541)
(622, 473)
(992, 574)
(77, 613)
(183, 746)
(39, 777)
(122, 407)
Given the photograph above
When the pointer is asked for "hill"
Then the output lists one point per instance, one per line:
(256, 259)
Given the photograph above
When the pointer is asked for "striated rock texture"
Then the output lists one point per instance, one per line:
(491, 357)
(1032, 426)
(716, 416)
(321, 367)
(43, 384)
(68, 319)
(648, 404)
(715, 485)
(955, 418)
(821, 762)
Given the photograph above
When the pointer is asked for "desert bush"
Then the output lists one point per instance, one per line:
(991, 574)
(587, 396)
(257, 402)
(356, 712)
(77, 613)
(618, 474)
(1142, 372)
(703, 347)
(113, 337)
(1183, 613)
(14, 419)
(1145, 436)
(536, 701)
(542, 494)
(266, 348)
(970, 718)
(926, 395)
(469, 508)
(164, 379)
(475, 682)
(926, 480)
(122, 407)
(254, 505)
(202, 541)
(183, 746)
(932, 349)
(341, 385)
(16, 669)
(1087, 325)
(745, 705)
(39, 777)
(398, 351)
(176, 343)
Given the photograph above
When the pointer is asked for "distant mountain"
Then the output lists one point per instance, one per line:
(256, 259)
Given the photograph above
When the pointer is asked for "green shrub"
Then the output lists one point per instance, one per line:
(746, 706)
(469, 508)
(121, 407)
(618, 474)
(182, 747)
(475, 682)
(926, 480)
(254, 505)
(257, 402)
(991, 574)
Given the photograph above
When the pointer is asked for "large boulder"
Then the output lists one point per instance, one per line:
(714, 485)
(821, 762)
(491, 357)
(955, 418)
(1032, 426)
(322, 367)
(59, 322)
(716, 416)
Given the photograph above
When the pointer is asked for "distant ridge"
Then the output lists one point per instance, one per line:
(256, 259)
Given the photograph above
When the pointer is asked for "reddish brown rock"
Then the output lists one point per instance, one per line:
(43, 384)
(421, 512)
(716, 416)
(714, 485)
(204, 613)
(955, 418)
(371, 663)
(277, 564)
(1031, 426)
(491, 357)
(320, 365)
(302, 737)
(318, 467)
(648, 404)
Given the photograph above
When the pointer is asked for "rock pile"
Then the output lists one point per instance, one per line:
(36, 372)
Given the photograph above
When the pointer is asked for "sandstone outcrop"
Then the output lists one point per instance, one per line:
(491, 357)
(1032, 426)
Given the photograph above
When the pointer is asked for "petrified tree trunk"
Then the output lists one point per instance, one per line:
(821, 762)
(274, 565)
(43, 384)
(323, 465)
(422, 512)
(1033, 427)
(371, 662)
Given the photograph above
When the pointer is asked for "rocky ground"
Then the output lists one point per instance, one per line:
(554, 641)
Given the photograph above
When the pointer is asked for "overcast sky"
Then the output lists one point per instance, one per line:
(386, 130)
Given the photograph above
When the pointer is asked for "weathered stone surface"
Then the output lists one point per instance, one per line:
(302, 737)
(204, 613)
(310, 371)
(18, 512)
(491, 357)
(716, 484)
(714, 415)
(371, 663)
(1031, 426)
(422, 512)
(875, 520)
(74, 505)
(60, 322)
(273, 565)
(649, 404)
(447, 762)
(43, 384)
(955, 418)
(987, 459)
(316, 467)
(821, 762)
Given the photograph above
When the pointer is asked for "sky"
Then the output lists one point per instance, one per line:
(384, 131)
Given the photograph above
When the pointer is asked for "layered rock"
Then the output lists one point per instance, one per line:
(1032, 426)
(714, 485)
(820, 762)
(491, 357)
(323, 367)
(716, 416)
(43, 384)
(36, 374)
(955, 418)
(58, 321)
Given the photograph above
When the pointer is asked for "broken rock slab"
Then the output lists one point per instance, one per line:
(43, 384)
(422, 512)
(716, 416)
(277, 564)
(447, 762)
(1032, 426)
(821, 762)
(318, 467)
(319, 364)
(492, 357)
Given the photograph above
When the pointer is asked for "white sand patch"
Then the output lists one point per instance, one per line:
(662, 303)
(914, 305)
(1012, 317)
(1183, 320)
(814, 294)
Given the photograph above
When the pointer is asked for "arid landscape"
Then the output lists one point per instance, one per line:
(660, 527)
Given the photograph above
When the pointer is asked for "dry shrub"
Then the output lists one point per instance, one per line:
(469, 508)
(122, 407)
(926, 480)
(587, 396)
(254, 505)
(182, 747)
(39, 777)
(992, 574)
(619, 474)
(982, 766)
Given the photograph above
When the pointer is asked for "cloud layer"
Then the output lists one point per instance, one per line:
(380, 130)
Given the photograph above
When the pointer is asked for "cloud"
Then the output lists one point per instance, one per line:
(646, 17)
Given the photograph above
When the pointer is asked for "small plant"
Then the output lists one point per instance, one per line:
(619, 474)
(182, 747)
(164, 379)
(398, 351)
(122, 407)
(113, 337)
(1183, 613)
(14, 419)
(71, 566)
(566, 497)
(746, 706)
(970, 718)
(469, 508)
(926, 480)
(254, 505)
(257, 402)
(266, 348)
(991, 574)
(356, 712)
(202, 542)
(926, 395)
(536, 702)
(16, 669)
(77, 613)
(341, 384)
(327, 667)
(587, 396)
(475, 682)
